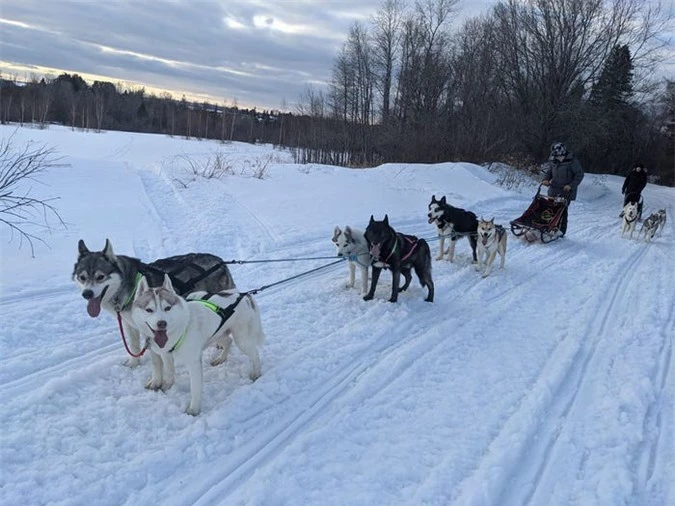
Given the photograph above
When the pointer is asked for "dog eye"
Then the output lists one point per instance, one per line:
(167, 308)
(82, 277)
(100, 277)
(149, 310)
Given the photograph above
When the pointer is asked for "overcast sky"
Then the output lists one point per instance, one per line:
(259, 52)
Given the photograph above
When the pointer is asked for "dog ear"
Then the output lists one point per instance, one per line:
(336, 234)
(443, 201)
(386, 220)
(82, 248)
(167, 285)
(372, 219)
(142, 287)
(433, 199)
(108, 251)
(348, 233)
(492, 220)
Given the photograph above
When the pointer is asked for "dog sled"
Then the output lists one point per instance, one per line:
(542, 219)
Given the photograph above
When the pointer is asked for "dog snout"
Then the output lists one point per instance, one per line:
(161, 324)
(88, 294)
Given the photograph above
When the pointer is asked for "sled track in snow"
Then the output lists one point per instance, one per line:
(237, 467)
(653, 424)
(554, 393)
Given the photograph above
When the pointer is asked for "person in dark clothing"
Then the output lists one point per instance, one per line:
(562, 176)
(633, 185)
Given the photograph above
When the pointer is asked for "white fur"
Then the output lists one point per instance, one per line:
(351, 244)
(489, 244)
(445, 231)
(200, 326)
(630, 215)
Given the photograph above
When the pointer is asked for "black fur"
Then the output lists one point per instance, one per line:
(464, 223)
(394, 248)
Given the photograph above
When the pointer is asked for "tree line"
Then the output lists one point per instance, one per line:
(408, 86)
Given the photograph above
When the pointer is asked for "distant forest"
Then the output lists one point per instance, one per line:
(409, 87)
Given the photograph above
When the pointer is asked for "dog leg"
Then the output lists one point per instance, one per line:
(352, 275)
(373, 283)
(441, 251)
(479, 264)
(364, 279)
(224, 343)
(408, 279)
(196, 385)
(155, 381)
(451, 250)
(134, 344)
(169, 373)
(502, 253)
(395, 280)
(248, 347)
(490, 260)
(473, 240)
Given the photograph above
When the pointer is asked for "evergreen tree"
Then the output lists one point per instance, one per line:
(614, 87)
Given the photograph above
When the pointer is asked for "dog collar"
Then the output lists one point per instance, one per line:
(179, 342)
(137, 281)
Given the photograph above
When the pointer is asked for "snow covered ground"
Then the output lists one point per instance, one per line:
(548, 383)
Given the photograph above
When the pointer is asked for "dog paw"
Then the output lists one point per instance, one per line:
(153, 384)
(429, 299)
(485, 275)
(254, 375)
(368, 297)
(218, 360)
(166, 385)
(191, 411)
(439, 257)
(132, 362)
(393, 300)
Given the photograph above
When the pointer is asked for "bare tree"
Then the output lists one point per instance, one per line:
(19, 209)
(386, 41)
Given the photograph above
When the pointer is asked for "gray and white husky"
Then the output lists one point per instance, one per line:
(352, 245)
(654, 222)
(491, 240)
(630, 217)
(179, 330)
(109, 281)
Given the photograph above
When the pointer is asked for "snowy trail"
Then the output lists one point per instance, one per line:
(549, 382)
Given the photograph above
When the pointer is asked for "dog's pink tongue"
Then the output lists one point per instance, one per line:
(94, 306)
(161, 338)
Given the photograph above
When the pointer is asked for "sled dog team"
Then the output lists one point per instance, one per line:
(180, 305)
(631, 214)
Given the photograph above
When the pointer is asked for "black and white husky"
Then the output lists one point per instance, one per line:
(491, 240)
(452, 222)
(178, 330)
(630, 217)
(351, 244)
(109, 281)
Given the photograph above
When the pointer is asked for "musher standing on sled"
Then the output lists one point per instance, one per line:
(562, 176)
(633, 185)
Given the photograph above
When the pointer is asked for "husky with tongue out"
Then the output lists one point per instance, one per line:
(178, 331)
(109, 281)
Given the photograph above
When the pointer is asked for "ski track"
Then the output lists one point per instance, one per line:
(527, 457)
(232, 472)
(530, 469)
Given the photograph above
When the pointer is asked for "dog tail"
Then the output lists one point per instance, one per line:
(423, 268)
(260, 335)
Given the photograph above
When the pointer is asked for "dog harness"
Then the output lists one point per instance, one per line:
(412, 243)
(224, 312)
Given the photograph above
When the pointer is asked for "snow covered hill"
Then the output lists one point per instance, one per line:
(550, 382)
